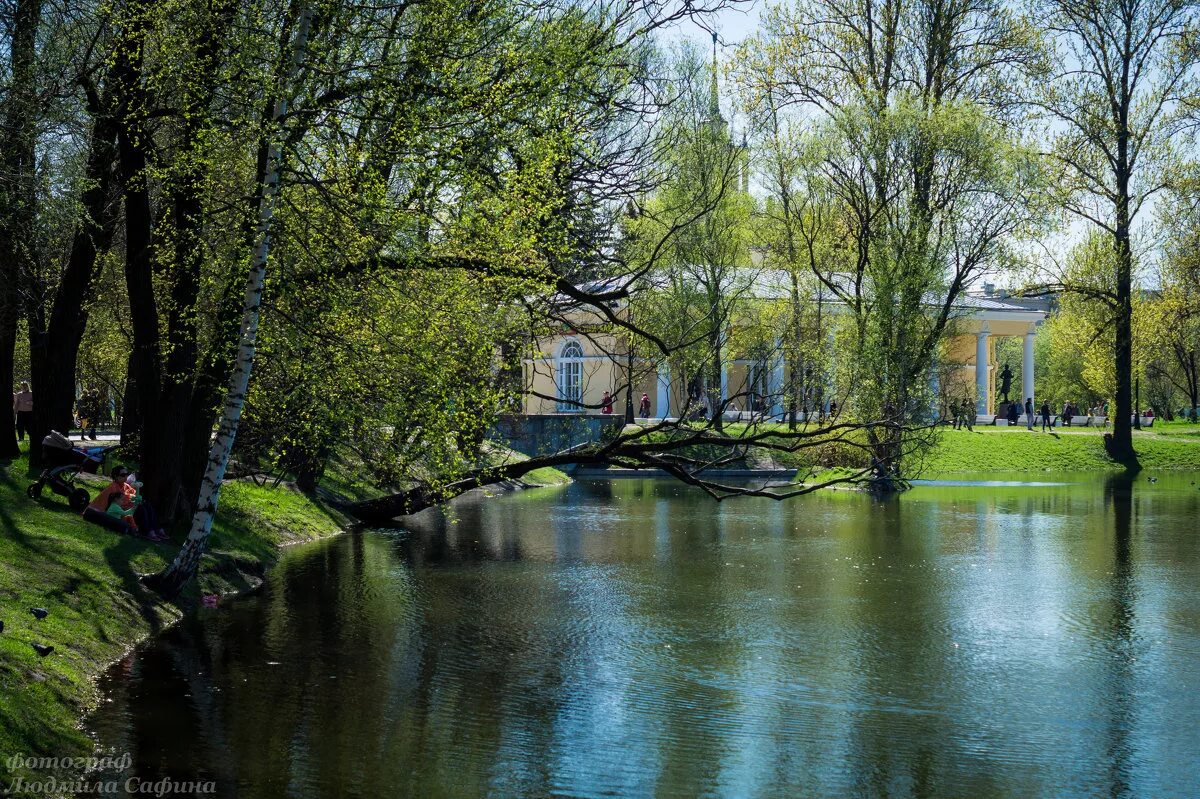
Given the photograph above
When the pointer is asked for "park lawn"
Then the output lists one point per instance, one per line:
(86, 577)
(1175, 428)
(1018, 450)
(991, 449)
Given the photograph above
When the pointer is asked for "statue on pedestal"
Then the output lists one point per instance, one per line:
(1005, 381)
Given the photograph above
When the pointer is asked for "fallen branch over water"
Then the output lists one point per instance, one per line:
(670, 447)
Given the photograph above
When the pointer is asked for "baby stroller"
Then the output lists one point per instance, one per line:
(64, 462)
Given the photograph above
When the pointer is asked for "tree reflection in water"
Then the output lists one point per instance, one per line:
(627, 637)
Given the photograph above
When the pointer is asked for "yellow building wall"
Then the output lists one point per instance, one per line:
(602, 373)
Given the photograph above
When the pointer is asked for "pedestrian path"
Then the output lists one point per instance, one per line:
(101, 438)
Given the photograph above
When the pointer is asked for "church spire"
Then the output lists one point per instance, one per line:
(714, 103)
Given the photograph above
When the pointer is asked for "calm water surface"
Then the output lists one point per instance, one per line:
(633, 638)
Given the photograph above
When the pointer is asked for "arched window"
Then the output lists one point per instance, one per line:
(570, 377)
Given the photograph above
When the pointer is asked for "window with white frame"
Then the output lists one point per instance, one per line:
(570, 377)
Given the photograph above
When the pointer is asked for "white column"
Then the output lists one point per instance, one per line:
(724, 382)
(776, 388)
(663, 398)
(981, 370)
(1027, 368)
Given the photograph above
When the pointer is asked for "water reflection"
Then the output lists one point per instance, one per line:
(633, 638)
(1119, 496)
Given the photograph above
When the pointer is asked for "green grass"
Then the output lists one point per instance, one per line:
(1175, 428)
(544, 477)
(989, 449)
(86, 577)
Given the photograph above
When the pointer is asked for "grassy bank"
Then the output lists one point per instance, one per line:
(86, 577)
(990, 449)
(1017, 450)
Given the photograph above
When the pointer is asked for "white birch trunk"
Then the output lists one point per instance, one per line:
(183, 568)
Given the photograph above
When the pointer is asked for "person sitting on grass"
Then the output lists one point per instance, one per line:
(144, 514)
(122, 508)
(97, 510)
(125, 495)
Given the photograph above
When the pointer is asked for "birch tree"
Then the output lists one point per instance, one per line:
(187, 561)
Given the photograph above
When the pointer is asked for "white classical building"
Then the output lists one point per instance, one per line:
(570, 371)
(986, 318)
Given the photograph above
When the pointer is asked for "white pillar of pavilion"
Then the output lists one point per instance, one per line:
(776, 388)
(1027, 366)
(981, 370)
(724, 383)
(663, 392)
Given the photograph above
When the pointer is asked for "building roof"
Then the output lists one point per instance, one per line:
(775, 284)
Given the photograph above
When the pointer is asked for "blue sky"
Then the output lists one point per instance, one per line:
(731, 24)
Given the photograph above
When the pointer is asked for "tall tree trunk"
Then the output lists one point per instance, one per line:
(216, 361)
(132, 144)
(716, 397)
(54, 353)
(18, 197)
(795, 344)
(163, 454)
(1193, 379)
(1121, 446)
(183, 568)
(131, 408)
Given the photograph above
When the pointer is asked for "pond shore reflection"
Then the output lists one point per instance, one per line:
(634, 638)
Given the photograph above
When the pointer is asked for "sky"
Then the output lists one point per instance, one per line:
(731, 24)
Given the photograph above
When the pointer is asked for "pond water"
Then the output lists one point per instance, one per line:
(633, 638)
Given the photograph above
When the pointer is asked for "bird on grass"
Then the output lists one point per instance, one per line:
(42, 649)
(1152, 479)
(39, 613)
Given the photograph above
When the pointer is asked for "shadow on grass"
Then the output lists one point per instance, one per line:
(12, 530)
(119, 557)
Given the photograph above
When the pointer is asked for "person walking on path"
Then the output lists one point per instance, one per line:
(644, 406)
(606, 404)
(963, 416)
(87, 407)
(1046, 416)
(23, 407)
(966, 415)
(1029, 413)
(81, 413)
